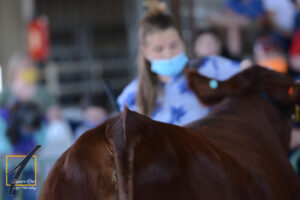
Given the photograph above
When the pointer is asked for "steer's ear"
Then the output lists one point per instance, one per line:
(149, 155)
(210, 91)
(139, 143)
(123, 135)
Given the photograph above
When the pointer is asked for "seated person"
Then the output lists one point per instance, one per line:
(207, 43)
(280, 17)
(94, 114)
(238, 16)
(23, 131)
(23, 85)
(268, 53)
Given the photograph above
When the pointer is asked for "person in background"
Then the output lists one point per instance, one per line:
(268, 53)
(297, 15)
(280, 18)
(207, 43)
(23, 131)
(239, 18)
(161, 91)
(294, 55)
(23, 85)
(94, 113)
(58, 135)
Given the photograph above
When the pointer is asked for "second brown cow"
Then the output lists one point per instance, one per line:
(238, 152)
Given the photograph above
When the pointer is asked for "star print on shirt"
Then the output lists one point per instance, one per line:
(158, 108)
(216, 67)
(176, 114)
(183, 87)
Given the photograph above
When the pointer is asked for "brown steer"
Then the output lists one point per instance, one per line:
(238, 152)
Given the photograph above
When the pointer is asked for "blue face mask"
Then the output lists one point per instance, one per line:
(169, 67)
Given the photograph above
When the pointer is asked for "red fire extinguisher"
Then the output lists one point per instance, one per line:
(38, 39)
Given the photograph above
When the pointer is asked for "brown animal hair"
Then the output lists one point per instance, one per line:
(272, 86)
(96, 166)
(237, 152)
(87, 166)
(252, 79)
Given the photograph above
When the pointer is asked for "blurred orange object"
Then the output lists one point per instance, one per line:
(278, 64)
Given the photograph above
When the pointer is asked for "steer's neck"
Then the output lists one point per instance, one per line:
(262, 114)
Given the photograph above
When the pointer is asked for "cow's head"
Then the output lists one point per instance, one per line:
(278, 87)
(253, 83)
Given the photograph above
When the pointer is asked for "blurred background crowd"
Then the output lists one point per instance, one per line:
(63, 62)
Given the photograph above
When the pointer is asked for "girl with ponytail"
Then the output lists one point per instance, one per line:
(160, 91)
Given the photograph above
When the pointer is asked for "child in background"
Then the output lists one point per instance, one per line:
(24, 129)
(23, 86)
(94, 114)
(239, 17)
(58, 135)
(22, 132)
(207, 43)
(280, 19)
(268, 53)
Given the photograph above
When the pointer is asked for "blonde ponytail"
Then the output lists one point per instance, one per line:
(155, 6)
(155, 20)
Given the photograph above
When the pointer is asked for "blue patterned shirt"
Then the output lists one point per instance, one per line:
(176, 103)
